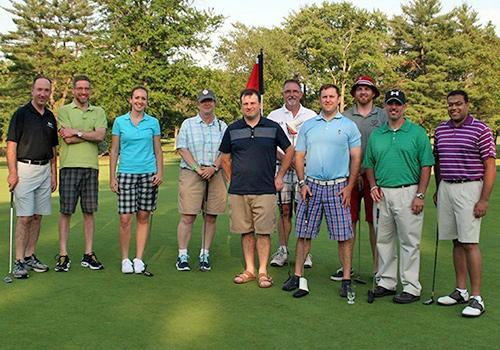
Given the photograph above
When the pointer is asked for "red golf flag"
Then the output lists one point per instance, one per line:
(256, 79)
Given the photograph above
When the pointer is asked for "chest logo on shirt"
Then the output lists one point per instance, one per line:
(50, 125)
(375, 123)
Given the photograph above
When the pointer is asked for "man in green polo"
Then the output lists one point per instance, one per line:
(398, 160)
(83, 126)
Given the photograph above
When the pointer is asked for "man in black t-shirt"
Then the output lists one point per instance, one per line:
(31, 159)
(249, 145)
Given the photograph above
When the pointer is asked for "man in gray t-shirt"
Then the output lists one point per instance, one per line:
(367, 117)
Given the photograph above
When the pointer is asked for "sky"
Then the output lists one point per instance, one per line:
(270, 13)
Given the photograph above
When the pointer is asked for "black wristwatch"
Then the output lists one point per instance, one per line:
(302, 183)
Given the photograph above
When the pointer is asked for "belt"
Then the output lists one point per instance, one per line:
(460, 181)
(400, 186)
(327, 182)
(35, 162)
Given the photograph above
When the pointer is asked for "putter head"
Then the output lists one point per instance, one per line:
(7, 279)
(359, 280)
(429, 301)
(371, 296)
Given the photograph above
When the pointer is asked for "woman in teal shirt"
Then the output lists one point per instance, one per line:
(136, 148)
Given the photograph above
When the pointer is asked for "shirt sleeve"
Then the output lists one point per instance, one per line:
(102, 121)
(282, 139)
(156, 128)
(116, 127)
(368, 160)
(426, 156)
(182, 141)
(63, 118)
(487, 147)
(15, 130)
(354, 136)
(225, 145)
(55, 136)
(301, 140)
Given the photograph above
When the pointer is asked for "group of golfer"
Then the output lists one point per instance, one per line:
(364, 153)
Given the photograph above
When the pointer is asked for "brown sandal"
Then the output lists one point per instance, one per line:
(244, 277)
(265, 281)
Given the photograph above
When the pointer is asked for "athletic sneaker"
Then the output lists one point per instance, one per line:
(139, 266)
(474, 309)
(279, 259)
(63, 263)
(339, 274)
(456, 297)
(20, 270)
(205, 263)
(127, 266)
(90, 260)
(291, 283)
(182, 263)
(346, 285)
(308, 263)
(32, 263)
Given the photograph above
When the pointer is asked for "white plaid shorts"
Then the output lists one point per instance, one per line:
(136, 192)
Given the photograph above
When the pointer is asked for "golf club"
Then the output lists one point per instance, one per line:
(303, 287)
(431, 300)
(371, 292)
(146, 272)
(204, 214)
(282, 221)
(8, 278)
(358, 278)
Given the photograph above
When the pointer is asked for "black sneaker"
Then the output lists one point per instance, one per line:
(90, 260)
(19, 270)
(346, 285)
(33, 263)
(405, 298)
(338, 275)
(205, 263)
(382, 292)
(182, 263)
(63, 263)
(291, 283)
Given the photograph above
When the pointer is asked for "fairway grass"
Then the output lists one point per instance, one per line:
(105, 309)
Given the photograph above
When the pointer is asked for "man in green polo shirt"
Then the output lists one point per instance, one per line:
(398, 162)
(83, 126)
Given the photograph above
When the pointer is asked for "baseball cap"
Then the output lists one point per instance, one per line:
(206, 95)
(395, 95)
(365, 80)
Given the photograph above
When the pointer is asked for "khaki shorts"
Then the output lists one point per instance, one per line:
(32, 193)
(252, 213)
(192, 191)
(456, 211)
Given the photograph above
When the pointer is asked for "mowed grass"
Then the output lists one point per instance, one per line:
(187, 310)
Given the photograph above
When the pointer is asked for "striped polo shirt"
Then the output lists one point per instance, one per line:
(462, 150)
(253, 155)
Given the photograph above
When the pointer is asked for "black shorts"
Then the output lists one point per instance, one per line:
(77, 183)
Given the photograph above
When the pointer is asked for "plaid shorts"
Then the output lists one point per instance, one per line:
(78, 183)
(136, 192)
(325, 199)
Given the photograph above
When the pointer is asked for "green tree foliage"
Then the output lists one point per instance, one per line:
(237, 54)
(337, 42)
(49, 39)
(149, 43)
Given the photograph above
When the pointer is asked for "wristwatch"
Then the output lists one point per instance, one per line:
(420, 195)
(215, 167)
(79, 134)
(302, 183)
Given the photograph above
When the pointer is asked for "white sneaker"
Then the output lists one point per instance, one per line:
(127, 266)
(308, 263)
(280, 257)
(474, 309)
(456, 297)
(139, 265)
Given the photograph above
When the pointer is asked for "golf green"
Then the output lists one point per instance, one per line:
(186, 310)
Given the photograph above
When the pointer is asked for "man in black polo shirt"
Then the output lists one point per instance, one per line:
(249, 145)
(31, 159)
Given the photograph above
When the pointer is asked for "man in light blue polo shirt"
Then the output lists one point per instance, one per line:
(331, 145)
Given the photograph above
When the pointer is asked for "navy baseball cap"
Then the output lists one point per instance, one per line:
(395, 95)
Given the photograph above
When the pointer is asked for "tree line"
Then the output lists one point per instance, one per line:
(122, 43)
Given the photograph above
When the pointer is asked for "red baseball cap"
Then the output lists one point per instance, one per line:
(367, 81)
